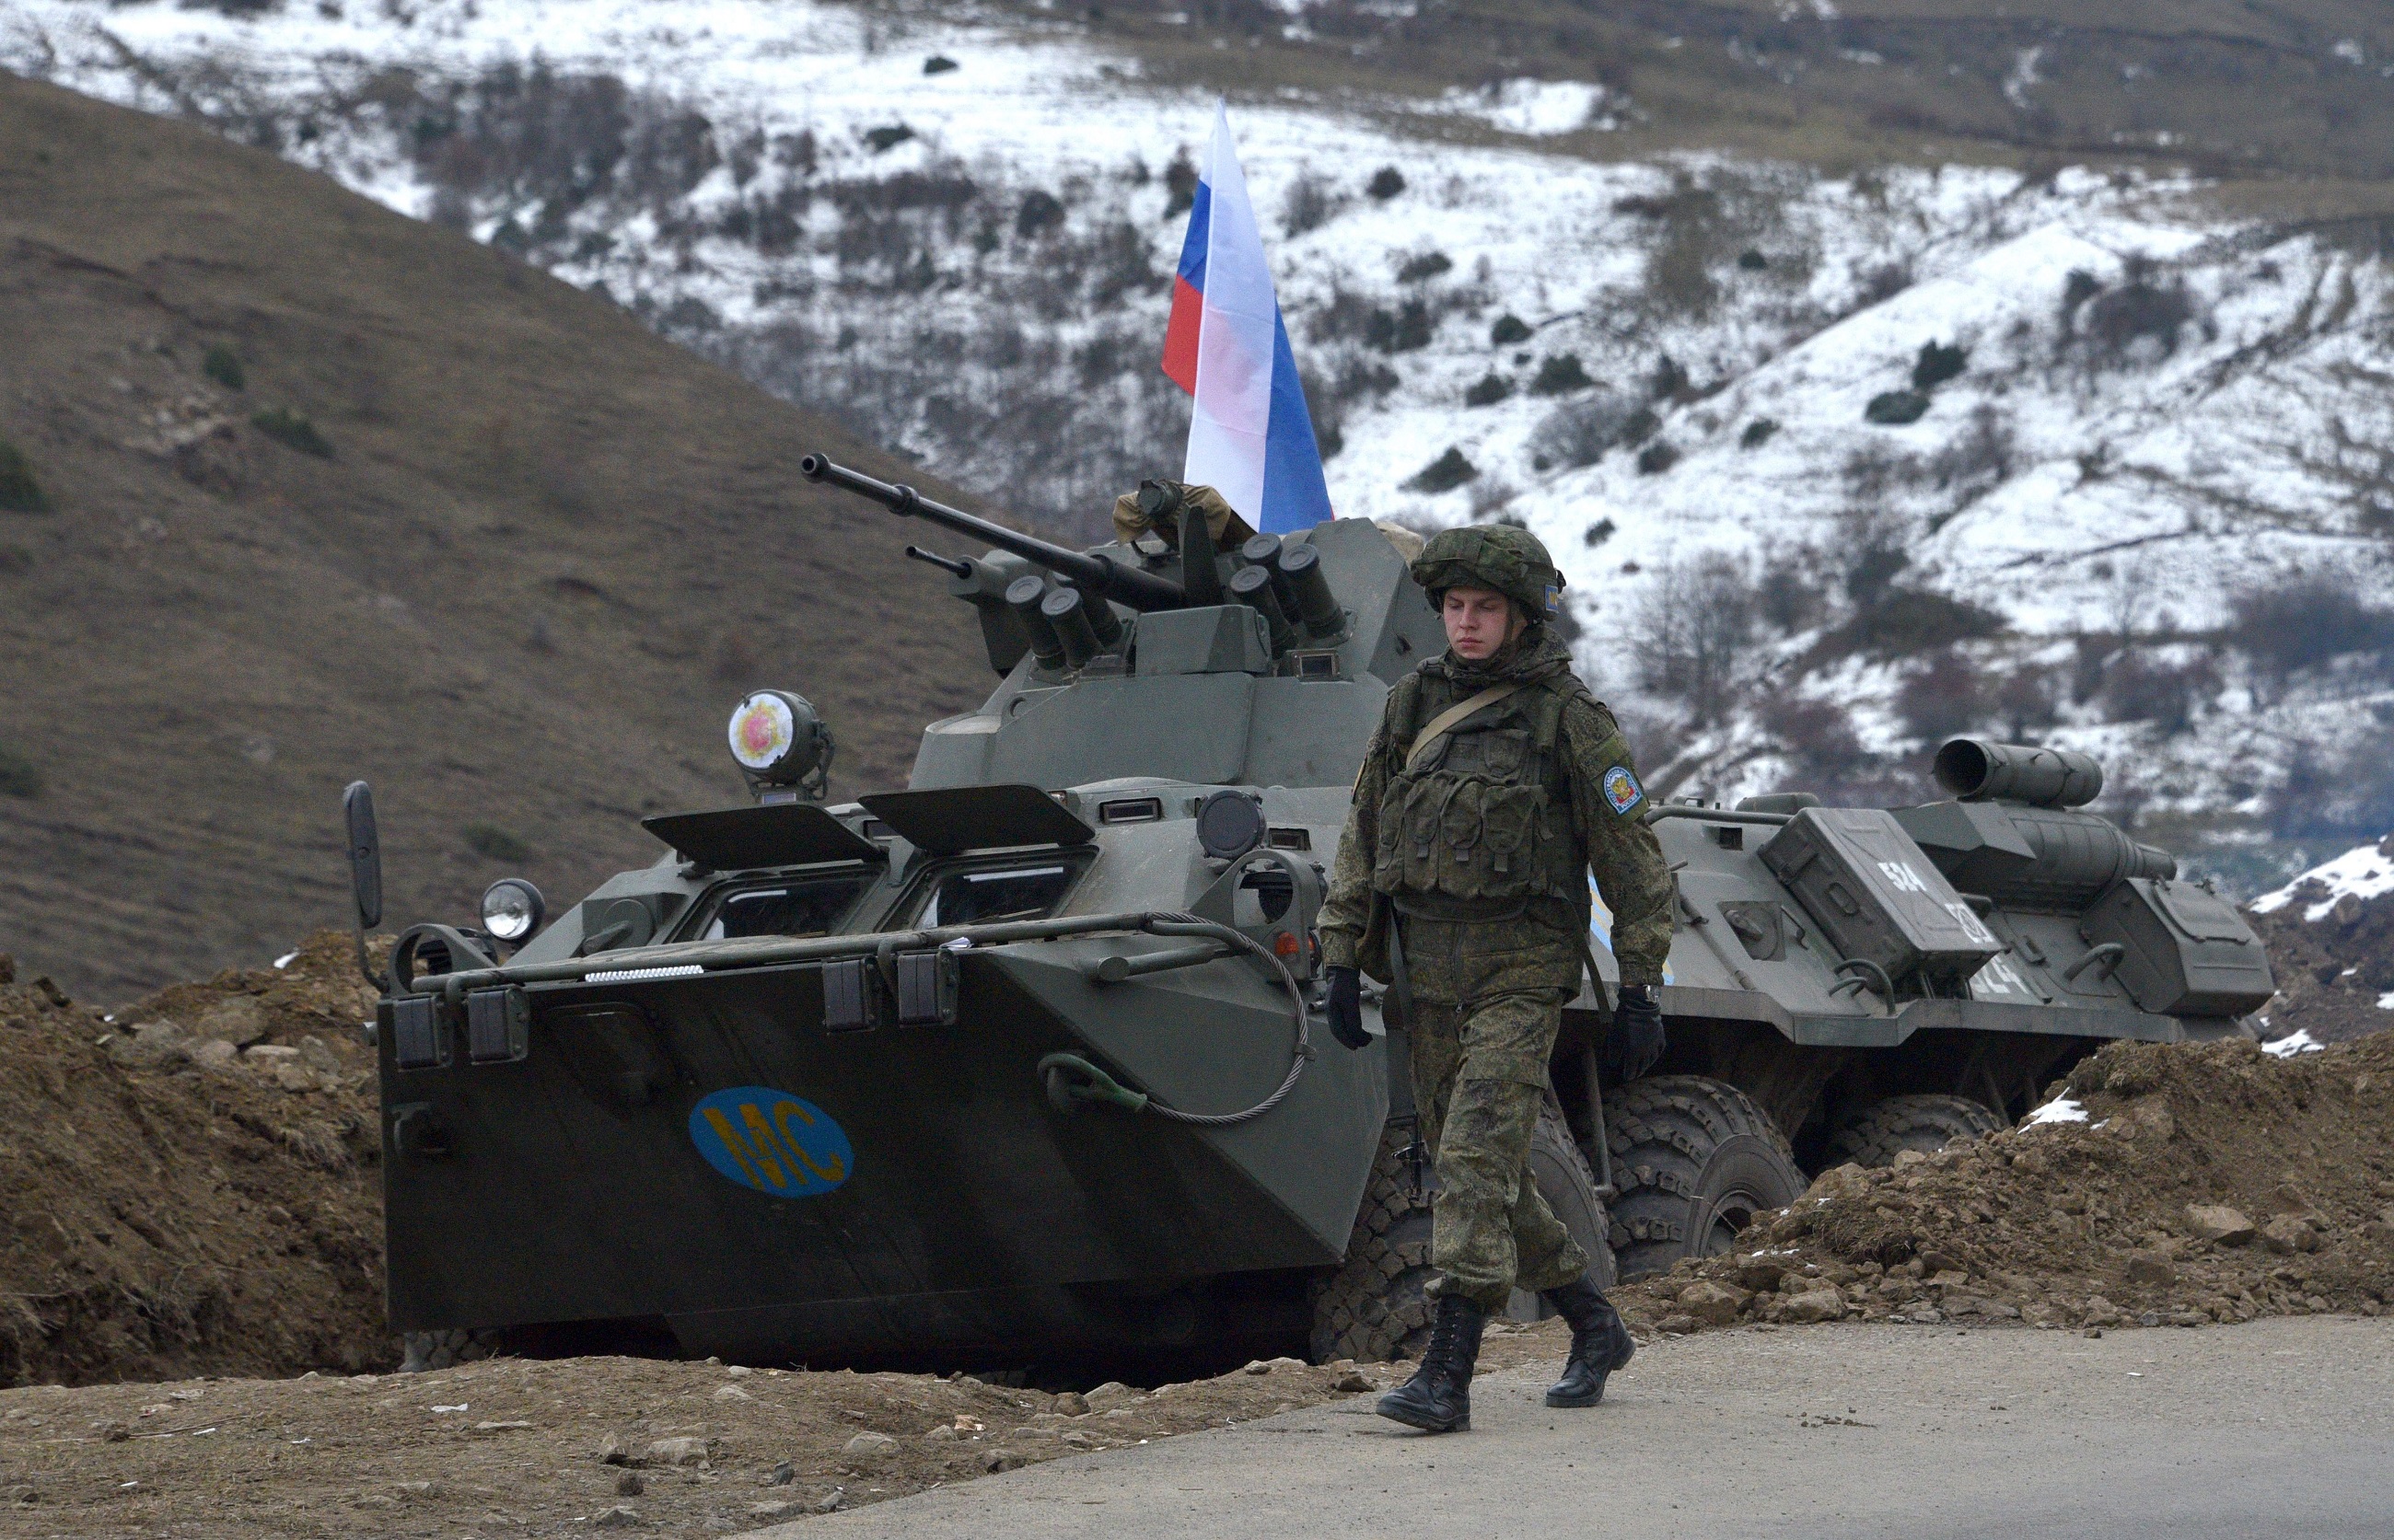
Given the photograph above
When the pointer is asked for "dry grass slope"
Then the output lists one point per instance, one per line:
(539, 554)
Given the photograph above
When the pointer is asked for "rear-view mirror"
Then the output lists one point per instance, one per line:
(365, 854)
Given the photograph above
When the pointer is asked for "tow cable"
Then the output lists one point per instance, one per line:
(1070, 1079)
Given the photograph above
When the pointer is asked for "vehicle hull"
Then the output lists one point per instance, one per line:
(972, 1218)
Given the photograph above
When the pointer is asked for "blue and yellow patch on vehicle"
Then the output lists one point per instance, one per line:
(771, 1142)
(1620, 788)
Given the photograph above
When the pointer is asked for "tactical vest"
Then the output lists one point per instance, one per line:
(1482, 821)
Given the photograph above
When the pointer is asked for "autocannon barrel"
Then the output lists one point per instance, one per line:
(1101, 576)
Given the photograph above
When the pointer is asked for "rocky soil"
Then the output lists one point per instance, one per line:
(507, 1445)
(2212, 1183)
(2332, 970)
(190, 1185)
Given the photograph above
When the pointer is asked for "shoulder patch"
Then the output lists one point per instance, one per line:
(1620, 788)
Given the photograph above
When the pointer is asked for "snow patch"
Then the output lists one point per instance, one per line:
(2023, 75)
(2294, 1043)
(1535, 108)
(2363, 872)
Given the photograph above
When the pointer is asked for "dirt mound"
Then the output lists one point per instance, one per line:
(192, 1186)
(614, 1442)
(2206, 1182)
(2331, 971)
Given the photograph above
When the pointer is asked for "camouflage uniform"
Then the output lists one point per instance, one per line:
(1490, 966)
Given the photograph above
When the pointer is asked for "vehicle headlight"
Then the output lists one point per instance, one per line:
(513, 909)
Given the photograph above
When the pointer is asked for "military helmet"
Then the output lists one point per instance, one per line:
(1503, 557)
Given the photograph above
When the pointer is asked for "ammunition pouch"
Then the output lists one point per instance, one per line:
(1478, 817)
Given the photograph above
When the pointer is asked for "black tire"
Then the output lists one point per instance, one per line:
(443, 1349)
(1569, 1187)
(1374, 1308)
(1695, 1160)
(1876, 1135)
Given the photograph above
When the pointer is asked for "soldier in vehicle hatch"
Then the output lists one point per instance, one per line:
(1495, 784)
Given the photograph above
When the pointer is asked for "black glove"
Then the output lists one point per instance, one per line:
(1635, 1040)
(1343, 997)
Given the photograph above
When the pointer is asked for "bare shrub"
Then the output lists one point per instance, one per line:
(2026, 699)
(1695, 626)
(1883, 282)
(1311, 203)
(2090, 660)
(1875, 471)
(1938, 363)
(1903, 620)
(1486, 391)
(1972, 464)
(1444, 474)
(1874, 553)
(1039, 212)
(316, 1142)
(1817, 738)
(1559, 375)
(2144, 309)
(1791, 594)
(2343, 794)
(1703, 226)
(1343, 319)
(2294, 623)
(1656, 458)
(1942, 696)
(2136, 322)
(1180, 181)
(19, 493)
(1404, 330)
(1678, 272)
(1578, 433)
(2140, 688)
(1976, 460)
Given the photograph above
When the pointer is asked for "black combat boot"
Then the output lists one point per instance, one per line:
(1600, 1343)
(1438, 1398)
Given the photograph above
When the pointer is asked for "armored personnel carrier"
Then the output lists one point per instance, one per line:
(1020, 1063)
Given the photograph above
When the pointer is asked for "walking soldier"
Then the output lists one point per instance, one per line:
(1495, 784)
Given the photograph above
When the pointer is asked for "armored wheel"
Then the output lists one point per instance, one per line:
(1569, 1187)
(1374, 1308)
(1882, 1131)
(442, 1349)
(1695, 1161)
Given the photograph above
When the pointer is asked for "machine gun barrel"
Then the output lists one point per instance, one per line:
(1099, 575)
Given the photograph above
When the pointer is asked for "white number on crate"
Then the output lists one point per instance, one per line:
(1902, 877)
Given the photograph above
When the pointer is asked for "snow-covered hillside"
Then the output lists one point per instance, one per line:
(2130, 486)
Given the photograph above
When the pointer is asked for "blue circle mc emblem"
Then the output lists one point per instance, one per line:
(772, 1141)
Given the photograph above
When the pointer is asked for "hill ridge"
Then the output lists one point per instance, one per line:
(542, 553)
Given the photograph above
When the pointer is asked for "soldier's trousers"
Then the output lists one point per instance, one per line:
(1487, 1004)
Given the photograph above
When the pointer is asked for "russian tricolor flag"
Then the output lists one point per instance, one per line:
(1251, 437)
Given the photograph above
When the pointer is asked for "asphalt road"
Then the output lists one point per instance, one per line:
(2279, 1428)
